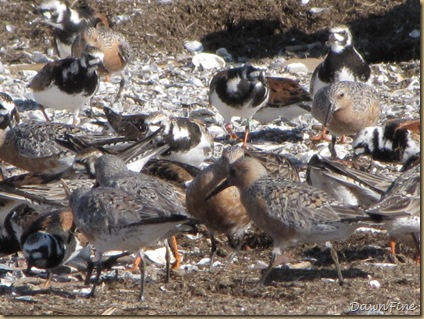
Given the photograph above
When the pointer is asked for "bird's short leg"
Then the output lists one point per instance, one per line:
(234, 252)
(332, 146)
(213, 250)
(321, 136)
(142, 267)
(121, 88)
(43, 110)
(174, 249)
(268, 270)
(335, 258)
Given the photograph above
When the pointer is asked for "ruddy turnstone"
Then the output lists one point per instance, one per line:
(188, 140)
(345, 108)
(342, 63)
(132, 126)
(173, 172)
(287, 99)
(401, 207)
(67, 23)
(224, 213)
(52, 240)
(239, 91)
(68, 83)
(9, 115)
(345, 184)
(395, 141)
(290, 212)
(113, 219)
(13, 226)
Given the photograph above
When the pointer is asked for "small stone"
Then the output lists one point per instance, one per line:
(415, 34)
(193, 46)
(224, 54)
(296, 68)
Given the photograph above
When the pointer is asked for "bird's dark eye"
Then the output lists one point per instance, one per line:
(232, 172)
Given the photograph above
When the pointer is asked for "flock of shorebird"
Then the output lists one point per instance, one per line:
(144, 183)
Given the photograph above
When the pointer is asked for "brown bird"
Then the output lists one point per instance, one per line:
(290, 212)
(287, 99)
(345, 108)
(116, 49)
(224, 213)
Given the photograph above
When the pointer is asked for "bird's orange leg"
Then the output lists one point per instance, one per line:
(174, 249)
(393, 247)
(321, 136)
(136, 263)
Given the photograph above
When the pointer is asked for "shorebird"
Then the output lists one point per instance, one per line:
(239, 91)
(51, 241)
(116, 49)
(68, 83)
(132, 126)
(188, 140)
(33, 146)
(348, 185)
(12, 227)
(113, 219)
(111, 171)
(287, 99)
(395, 141)
(345, 108)
(67, 23)
(342, 63)
(223, 213)
(290, 212)
(400, 205)
(176, 173)
(9, 115)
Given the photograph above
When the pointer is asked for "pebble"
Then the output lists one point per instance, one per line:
(193, 46)
(224, 54)
(297, 68)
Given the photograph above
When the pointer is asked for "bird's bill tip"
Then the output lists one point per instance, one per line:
(219, 188)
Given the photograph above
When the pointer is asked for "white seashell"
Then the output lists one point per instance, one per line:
(10, 28)
(370, 230)
(203, 261)
(329, 280)
(158, 255)
(317, 10)
(375, 284)
(82, 291)
(381, 265)
(415, 34)
(208, 61)
(193, 46)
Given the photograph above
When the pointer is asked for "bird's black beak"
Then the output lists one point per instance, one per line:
(328, 116)
(219, 188)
